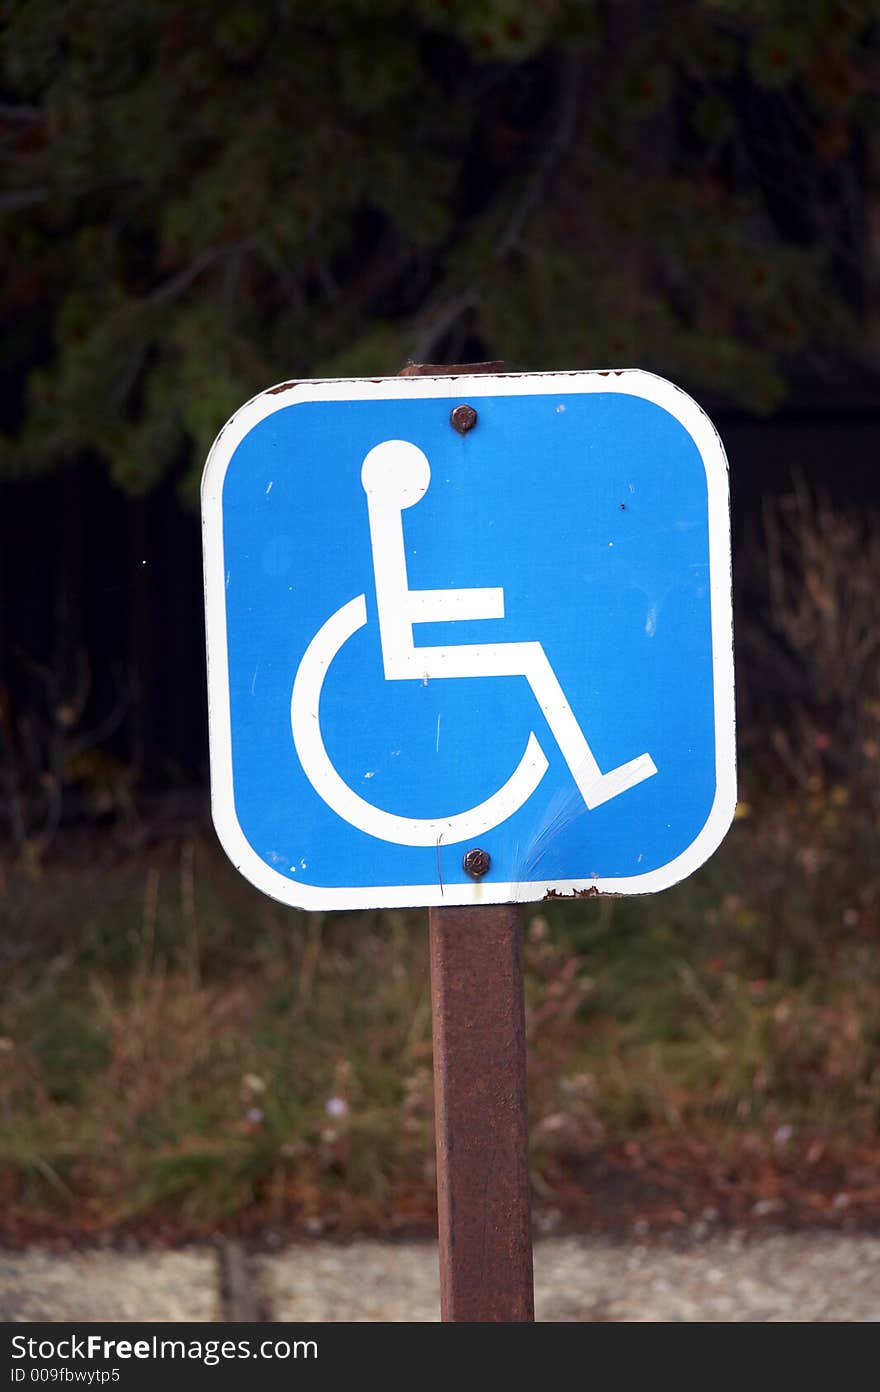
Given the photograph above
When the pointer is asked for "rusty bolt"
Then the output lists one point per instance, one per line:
(462, 419)
(476, 863)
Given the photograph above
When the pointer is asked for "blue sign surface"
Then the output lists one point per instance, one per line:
(422, 642)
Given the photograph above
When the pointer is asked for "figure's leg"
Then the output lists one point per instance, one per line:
(530, 661)
(595, 787)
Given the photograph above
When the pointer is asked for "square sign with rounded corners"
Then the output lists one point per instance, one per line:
(505, 631)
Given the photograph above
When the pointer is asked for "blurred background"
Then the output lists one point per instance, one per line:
(203, 199)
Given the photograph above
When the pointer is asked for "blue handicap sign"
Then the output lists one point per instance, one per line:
(424, 641)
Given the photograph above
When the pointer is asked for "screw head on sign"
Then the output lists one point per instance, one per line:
(476, 863)
(463, 418)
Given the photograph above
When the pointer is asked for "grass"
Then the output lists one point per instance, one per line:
(178, 1052)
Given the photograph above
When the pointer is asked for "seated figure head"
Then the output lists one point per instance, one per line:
(396, 472)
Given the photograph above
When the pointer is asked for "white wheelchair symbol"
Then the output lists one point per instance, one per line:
(395, 476)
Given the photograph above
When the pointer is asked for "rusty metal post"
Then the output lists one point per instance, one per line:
(480, 1111)
(480, 1114)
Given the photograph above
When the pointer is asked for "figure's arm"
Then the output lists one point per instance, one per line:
(439, 606)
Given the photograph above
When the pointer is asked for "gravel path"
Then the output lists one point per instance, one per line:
(802, 1277)
(795, 1277)
(103, 1285)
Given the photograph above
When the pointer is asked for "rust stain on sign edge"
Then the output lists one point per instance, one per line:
(285, 386)
(592, 892)
(494, 368)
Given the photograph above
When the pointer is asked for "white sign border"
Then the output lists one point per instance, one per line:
(629, 382)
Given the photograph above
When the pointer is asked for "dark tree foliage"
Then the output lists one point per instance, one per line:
(204, 198)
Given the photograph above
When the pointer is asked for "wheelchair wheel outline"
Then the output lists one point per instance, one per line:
(318, 768)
